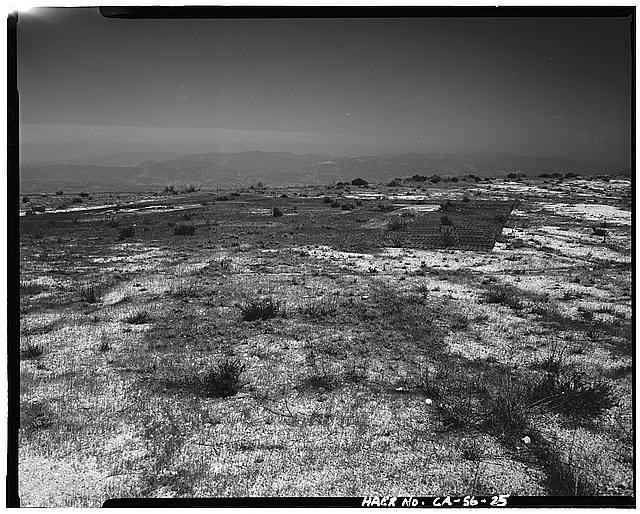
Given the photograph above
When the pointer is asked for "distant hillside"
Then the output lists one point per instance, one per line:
(126, 159)
(145, 171)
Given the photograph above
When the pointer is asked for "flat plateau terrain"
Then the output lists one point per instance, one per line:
(425, 339)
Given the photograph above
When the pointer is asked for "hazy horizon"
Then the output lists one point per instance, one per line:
(543, 87)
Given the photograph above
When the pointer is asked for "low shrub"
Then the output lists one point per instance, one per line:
(177, 187)
(319, 307)
(277, 212)
(573, 396)
(126, 232)
(90, 294)
(104, 345)
(139, 317)
(472, 450)
(397, 225)
(184, 229)
(554, 361)
(504, 295)
(260, 309)
(29, 289)
(224, 380)
(35, 415)
(508, 411)
(31, 351)
(36, 208)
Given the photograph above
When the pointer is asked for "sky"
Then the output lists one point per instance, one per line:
(91, 86)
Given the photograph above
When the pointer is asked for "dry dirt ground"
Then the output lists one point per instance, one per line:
(301, 355)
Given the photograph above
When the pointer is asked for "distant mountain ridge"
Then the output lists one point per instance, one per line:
(144, 170)
(125, 159)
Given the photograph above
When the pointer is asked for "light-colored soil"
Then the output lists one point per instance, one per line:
(385, 371)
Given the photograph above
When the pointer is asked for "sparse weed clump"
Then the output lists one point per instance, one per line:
(261, 309)
(335, 204)
(36, 208)
(225, 263)
(31, 351)
(504, 295)
(224, 380)
(472, 450)
(573, 396)
(34, 416)
(104, 345)
(177, 187)
(90, 294)
(554, 361)
(138, 317)
(277, 212)
(319, 308)
(508, 412)
(184, 229)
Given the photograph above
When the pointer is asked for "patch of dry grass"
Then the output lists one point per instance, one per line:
(372, 383)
